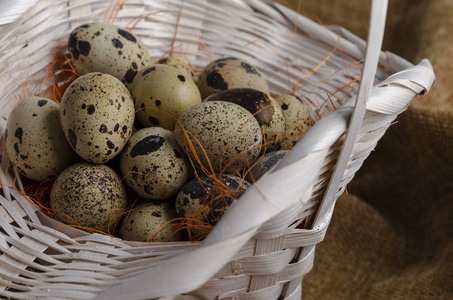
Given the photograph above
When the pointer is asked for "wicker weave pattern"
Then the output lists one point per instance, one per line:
(40, 259)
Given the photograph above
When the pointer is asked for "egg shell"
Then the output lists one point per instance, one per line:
(263, 107)
(35, 142)
(298, 119)
(153, 164)
(177, 63)
(229, 73)
(97, 116)
(224, 135)
(202, 201)
(161, 94)
(91, 195)
(107, 48)
(151, 221)
(264, 164)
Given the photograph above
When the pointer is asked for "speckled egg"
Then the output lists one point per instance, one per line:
(298, 119)
(263, 107)
(35, 142)
(153, 164)
(220, 134)
(106, 48)
(161, 94)
(229, 73)
(88, 195)
(97, 116)
(202, 201)
(151, 221)
(264, 164)
(177, 63)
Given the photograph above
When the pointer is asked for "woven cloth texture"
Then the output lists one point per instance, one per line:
(392, 237)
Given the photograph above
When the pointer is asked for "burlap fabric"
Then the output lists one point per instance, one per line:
(392, 237)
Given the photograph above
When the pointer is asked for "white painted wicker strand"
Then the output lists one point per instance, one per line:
(257, 251)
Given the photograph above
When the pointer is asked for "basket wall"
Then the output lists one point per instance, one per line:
(41, 259)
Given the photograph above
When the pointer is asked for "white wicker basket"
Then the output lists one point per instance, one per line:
(258, 250)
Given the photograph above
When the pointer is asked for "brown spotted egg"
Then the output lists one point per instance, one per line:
(221, 135)
(153, 164)
(229, 73)
(177, 63)
(88, 195)
(106, 48)
(97, 116)
(298, 119)
(264, 164)
(161, 94)
(150, 221)
(35, 142)
(263, 107)
(203, 201)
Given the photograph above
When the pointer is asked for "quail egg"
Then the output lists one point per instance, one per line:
(35, 142)
(219, 135)
(97, 116)
(161, 94)
(263, 107)
(88, 195)
(151, 221)
(298, 119)
(153, 164)
(202, 201)
(264, 164)
(177, 63)
(106, 48)
(228, 73)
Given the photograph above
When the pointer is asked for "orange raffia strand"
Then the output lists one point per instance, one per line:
(113, 10)
(313, 70)
(202, 44)
(58, 91)
(114, 220)
(134, 22)
(189, 145)
(173, 41)
(328, 78)
(39, 194)
(344, 64)
(137, 19)
(22, 168)
(331, 102)
(162, 227)
(125, 212)
(336, 48)
(279, 55)
(8, 87)
(344, 86)
(264, 146)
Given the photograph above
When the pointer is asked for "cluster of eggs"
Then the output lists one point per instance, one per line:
(154, 129)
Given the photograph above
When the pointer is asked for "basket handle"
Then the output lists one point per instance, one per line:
(373, 50)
